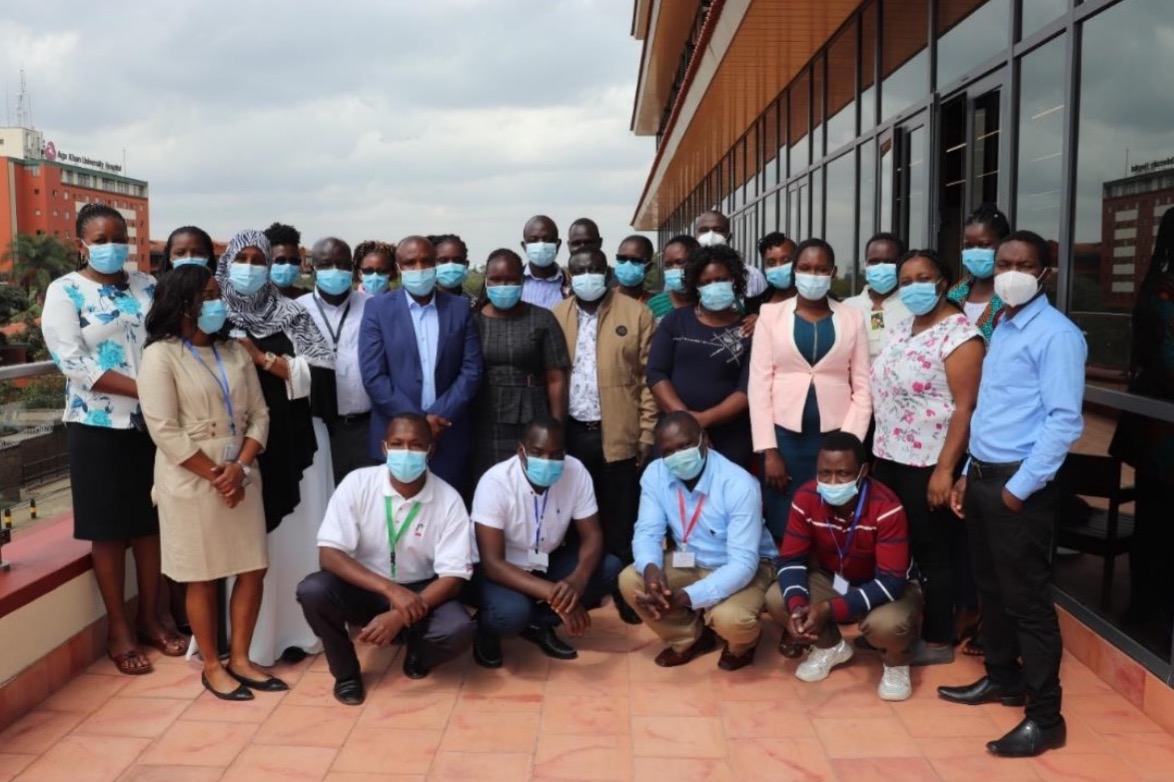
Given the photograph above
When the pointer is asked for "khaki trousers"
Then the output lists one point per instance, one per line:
(892, 628)
(735, 619)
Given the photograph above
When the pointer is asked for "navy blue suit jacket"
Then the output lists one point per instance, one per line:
(389, 359)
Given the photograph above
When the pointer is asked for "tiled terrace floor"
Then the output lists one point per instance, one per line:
(610, 715)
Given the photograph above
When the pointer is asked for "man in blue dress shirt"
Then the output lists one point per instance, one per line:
(713, 578)
(1028, 417)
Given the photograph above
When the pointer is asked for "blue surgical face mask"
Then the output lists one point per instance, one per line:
(504, 297)
(837, 494)
(979, 261)
(284, 275)
(589, 287)
(245, 278)
(406, 465)
(375, 283)
(543, 472)
(541, 253)
(333, 282)
(213, 313)
(451, 275)
(419, 282)
(813, 287)
(686, 464)
(717, 296)
(674, 280)
(920, 297)
(779, 277)
(108, 258)
(882, 277)
(630, 274)
(175, 264)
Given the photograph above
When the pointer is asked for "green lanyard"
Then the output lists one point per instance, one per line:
(393, 534)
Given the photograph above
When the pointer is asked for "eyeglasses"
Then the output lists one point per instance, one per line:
(630, 259)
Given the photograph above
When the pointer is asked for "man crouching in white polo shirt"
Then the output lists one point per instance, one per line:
(395, 549)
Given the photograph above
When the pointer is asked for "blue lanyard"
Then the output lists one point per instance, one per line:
(847, 549)
(538, 517)
(221, 382)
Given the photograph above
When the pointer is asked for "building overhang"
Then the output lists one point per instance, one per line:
(664, 28)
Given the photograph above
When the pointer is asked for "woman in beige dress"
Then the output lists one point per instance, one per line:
(204, 409)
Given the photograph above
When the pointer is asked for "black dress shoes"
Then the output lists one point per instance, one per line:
(627, 614)
(349, 692)
(241, 693)
(414, 667)
(984, 691)
(487, 650)
(1028, 739)
(271, 684)
(548, 641)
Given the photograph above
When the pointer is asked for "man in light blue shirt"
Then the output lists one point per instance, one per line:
(713, 578)
(1028, 417)
(542, 279)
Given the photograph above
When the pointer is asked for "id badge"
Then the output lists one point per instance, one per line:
(231, 451)
(538, 559)
(840, 584)
(684, 559)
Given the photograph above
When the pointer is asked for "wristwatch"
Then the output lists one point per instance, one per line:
(270, 359)
(246, 470)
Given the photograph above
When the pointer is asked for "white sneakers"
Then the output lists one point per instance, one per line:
(819, 662)
(895, 684)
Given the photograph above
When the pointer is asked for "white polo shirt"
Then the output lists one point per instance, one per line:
(505, 500)
(439, 543)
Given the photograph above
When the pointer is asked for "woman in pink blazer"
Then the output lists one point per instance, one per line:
(809, 373)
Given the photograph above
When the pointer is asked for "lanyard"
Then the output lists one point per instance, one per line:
(335, 334)
(221, 382)
(538, 517)
(688, 530)
(847, 548)
(393, 534)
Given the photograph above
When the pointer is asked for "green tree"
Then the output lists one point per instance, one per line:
(36, 260)
(13, 301)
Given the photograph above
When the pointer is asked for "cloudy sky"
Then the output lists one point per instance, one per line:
(358, 118)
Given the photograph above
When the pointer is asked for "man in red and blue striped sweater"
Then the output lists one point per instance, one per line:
(845, 556)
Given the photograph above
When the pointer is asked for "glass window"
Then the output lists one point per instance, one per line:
(750, 165)
(1037, 13)
(867, 195)
(913, 185)
(770, 220)
(841, 93)
(970, 32)
(840, 230)
(800, 95)
(868, 67)
(784, 129)
(1041, 140)
(817, 228)
(904, 56)
(887, 193)
(817, 108)
(797, 211)
(770, 147)
(737, 168)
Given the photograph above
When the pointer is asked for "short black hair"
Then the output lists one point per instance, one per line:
(440, 239)
(191, 230)
(944, 269)
(585, 222)
(175, 296)
(368, 246)
(682, 418)
(840, 440)
(817, 244)
(542, 423)
(685, 240)
(988, 215)
(719, 253)
(416, 418)
(508, 254)
(887, 236)
(771, 240)
(279, 233)
(95, 211)
(643, 241)
(1042, 249)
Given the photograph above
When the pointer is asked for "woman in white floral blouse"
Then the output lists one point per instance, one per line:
(93, 324)
(924, 388)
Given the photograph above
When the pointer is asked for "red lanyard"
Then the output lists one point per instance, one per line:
(693, 521)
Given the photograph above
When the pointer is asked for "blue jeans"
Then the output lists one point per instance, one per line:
(506, 613)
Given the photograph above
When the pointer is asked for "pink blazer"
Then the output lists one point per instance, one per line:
(780, 376)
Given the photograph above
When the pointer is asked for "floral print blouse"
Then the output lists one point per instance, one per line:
(911, 399)
(89, 329)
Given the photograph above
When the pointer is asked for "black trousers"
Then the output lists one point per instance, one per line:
(350, 444)
(932, 536)
(330, 604)
(617, 488)
(1012, 555)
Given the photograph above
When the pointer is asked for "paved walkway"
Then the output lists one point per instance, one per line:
(610, 715)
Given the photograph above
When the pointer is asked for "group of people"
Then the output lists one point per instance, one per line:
(387, 458)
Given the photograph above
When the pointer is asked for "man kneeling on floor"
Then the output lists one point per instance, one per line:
(855, 530)
(720, 554)
(395, 549)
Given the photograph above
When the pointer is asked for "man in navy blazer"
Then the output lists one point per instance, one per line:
(419, 352)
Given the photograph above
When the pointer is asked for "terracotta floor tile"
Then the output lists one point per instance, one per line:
(952, 748)
(864, 738)
(981, 766)
(683, 770)
(1150, 754)
(471, 702)
(1079, 680)
(1071, 767)
(797, 760)
(849, 703)
(678, 737)
(279, 764)
(209, 708)
(884, 769)
(381, 750)
(763, 681)
(481, 766)
(593, 673)
(85, 759)
(674, 700)
(199, 744)
(1110, 714)
(749, 720)
(166, 681)
(490, 732)
(566, 756)
(86, 693)
(313, 689)
(387, 708)
(925, 719)
(36, 731)
(138, 773)
(349, 776)
(308, 726)
(585, 714)
(133, 717)
(12, 764)
(501, 683)
(1081, 737)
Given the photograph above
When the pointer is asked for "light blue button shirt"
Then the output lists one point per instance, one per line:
(546, 293)
(1029, 399)
(426, 323)
(729, 538)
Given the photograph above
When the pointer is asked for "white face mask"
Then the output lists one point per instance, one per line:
(711, 239)
(1016, 288)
